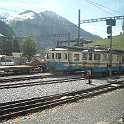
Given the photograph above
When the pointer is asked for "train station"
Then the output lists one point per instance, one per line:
(61, 62)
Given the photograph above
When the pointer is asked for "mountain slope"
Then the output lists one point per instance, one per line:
(6, 30)
(117, 42)
(45, 23)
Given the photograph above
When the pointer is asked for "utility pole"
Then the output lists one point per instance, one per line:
(78, 27)
(110, 71)
(110, 22)
(123, 26)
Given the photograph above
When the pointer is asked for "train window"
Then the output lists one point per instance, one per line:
(90, 56)
(76, 57)
(65, 55)
(48, 55)
(122, 58)
(104, 57)
(96, 56)
(52, 55)
(84, 56)
(117, 58)
(58, 55)
(109, 57)
(68, 57)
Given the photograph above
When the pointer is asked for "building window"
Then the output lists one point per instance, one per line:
(48, 55)
(76, 57)
(84, 56)
(52, 55)
(65, 55)
(58, 55)
(96, 56)
(90, 56)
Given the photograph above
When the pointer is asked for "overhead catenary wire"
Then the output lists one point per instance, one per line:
(103, 6)
(36, 4)
(90, 2)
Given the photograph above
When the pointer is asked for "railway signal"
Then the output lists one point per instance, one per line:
(109, 29)
(111, 22)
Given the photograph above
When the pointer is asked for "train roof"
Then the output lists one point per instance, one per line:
(58, 49)
(92, 49)
(104, 51)
(66, 48)
(71, 48)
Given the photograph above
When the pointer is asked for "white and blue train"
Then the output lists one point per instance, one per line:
(96, 59)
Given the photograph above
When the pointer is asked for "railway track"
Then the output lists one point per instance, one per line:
(23, 107)
(33, 83)
(22, 78)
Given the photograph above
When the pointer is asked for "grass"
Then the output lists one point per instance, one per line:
(117, 42)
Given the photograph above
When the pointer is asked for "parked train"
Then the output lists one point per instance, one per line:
(96, 60)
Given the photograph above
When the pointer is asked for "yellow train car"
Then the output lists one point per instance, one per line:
(97, 60)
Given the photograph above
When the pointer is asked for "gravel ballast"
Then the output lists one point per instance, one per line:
(13, 94)
(103, 108)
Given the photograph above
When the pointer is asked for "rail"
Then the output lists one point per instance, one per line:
(33, 83)
(23, 107)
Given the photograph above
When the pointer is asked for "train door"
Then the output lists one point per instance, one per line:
(50, 60)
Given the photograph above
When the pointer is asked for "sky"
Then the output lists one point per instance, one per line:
(90, 9)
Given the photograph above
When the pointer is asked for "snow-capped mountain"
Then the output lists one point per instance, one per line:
(14, 16)
(43, 23)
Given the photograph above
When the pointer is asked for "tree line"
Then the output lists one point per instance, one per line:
(9, 44)
(28, 47)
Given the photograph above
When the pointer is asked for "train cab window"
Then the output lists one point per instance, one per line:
(84, 56)
(58, 55)
(65, 55)
(90, 56)
(96, 56)
(76, 57)
(122, 58)
(52, 55)
(48, 55)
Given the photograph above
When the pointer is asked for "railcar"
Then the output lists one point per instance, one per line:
(96, 60)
